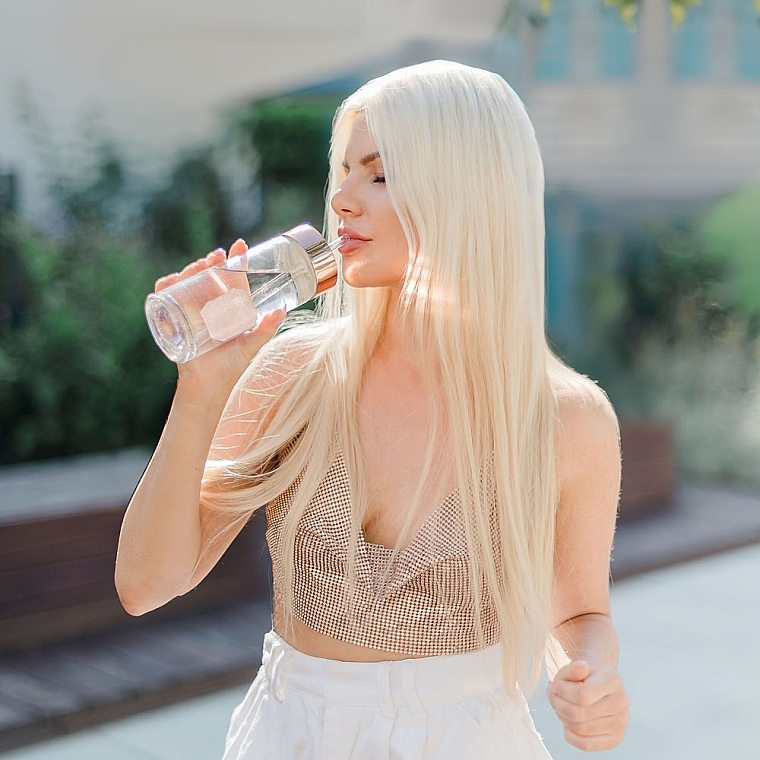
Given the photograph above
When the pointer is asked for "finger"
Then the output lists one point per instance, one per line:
(269, 324)
(610, 725)
(252, 340)
(238, 247)
(214, 258)
(573, 713)
(193, 268)
(217, 257)
(592, 743)
(576, 692)
(598, 685)
(166, 281)
(577, 670)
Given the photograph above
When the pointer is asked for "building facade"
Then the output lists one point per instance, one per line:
(633, 124)
(637, 127)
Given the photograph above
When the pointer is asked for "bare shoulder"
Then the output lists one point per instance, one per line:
(266, 382)
(587, 429)
(285, 356)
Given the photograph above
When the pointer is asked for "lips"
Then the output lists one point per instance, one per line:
(354, 242)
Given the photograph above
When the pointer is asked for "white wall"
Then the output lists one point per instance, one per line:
(156, 74)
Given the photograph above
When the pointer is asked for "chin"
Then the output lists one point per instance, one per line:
(364, 277)
(356, 277)
(370, 282)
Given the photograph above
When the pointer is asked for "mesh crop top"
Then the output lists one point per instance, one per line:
(422, 607)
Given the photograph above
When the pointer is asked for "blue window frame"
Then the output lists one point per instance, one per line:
(617, 45)
(747, 29)
(554, 57)
(691, 44)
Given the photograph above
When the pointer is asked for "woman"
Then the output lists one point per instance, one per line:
(441, 490)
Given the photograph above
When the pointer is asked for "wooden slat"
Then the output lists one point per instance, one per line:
(48, 626)
(68, 686)
(649, 477)
(104, 612)
(59, 539)
(56, 578)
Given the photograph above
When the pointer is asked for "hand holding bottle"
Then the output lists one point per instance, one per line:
(211, 319)
(219, 299)
(211, 376)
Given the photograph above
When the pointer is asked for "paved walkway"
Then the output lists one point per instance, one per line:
(688, 640)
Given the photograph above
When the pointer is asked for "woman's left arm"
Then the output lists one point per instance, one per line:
(586, 693)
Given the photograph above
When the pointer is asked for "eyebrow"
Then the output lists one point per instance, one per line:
(364, 160)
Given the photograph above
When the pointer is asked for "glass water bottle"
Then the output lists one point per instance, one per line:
(211, 307)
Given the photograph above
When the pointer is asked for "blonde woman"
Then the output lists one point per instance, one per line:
(440, 491)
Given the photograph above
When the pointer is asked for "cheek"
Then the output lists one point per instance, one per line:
(402, 246)
(393, 224)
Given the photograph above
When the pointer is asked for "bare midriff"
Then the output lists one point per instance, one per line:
(316, 644)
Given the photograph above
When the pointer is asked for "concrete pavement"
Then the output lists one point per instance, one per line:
(689, 659)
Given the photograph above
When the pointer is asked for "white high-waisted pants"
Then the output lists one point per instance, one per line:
(303, 708)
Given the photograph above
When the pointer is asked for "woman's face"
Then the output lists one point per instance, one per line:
(376, 253)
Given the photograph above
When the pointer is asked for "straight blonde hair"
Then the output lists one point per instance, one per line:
(464, 174)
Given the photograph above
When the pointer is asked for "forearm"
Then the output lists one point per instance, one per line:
(161, 535)
(591, 637)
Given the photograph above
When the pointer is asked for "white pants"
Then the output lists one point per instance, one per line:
(307, 708)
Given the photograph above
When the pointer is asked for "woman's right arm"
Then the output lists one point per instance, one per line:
(165, 531)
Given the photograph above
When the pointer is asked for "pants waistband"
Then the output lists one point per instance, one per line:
(417, 683)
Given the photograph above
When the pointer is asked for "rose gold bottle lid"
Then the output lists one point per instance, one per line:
(320, 253)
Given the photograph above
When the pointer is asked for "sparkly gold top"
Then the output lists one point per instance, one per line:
(421, 606)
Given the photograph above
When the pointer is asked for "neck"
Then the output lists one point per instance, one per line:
(396, 338)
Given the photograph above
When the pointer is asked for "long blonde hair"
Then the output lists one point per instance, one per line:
(464, 174)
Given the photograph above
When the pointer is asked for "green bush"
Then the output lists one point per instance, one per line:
(189, 215)
(287, 139)
(290, 136)
(669, 340)
(732, 239)
(79, 372)
(78, 369)
(710, 392)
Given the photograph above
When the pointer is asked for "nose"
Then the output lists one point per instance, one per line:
(344, 201)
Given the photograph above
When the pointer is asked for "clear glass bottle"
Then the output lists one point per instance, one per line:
(207, 309)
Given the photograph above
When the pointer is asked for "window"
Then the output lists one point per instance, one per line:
(747, 26)
(691, 44)
(554, 55)
(617, 45)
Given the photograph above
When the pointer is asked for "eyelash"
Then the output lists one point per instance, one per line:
(376, 179)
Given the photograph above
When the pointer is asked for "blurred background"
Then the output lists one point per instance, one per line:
(135, 137)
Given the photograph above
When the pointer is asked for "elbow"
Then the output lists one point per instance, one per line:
(139, 599)
(132, 600)
(131, 607)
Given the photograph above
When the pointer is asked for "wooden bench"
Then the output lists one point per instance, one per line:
(59, 527)
(649, 468)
